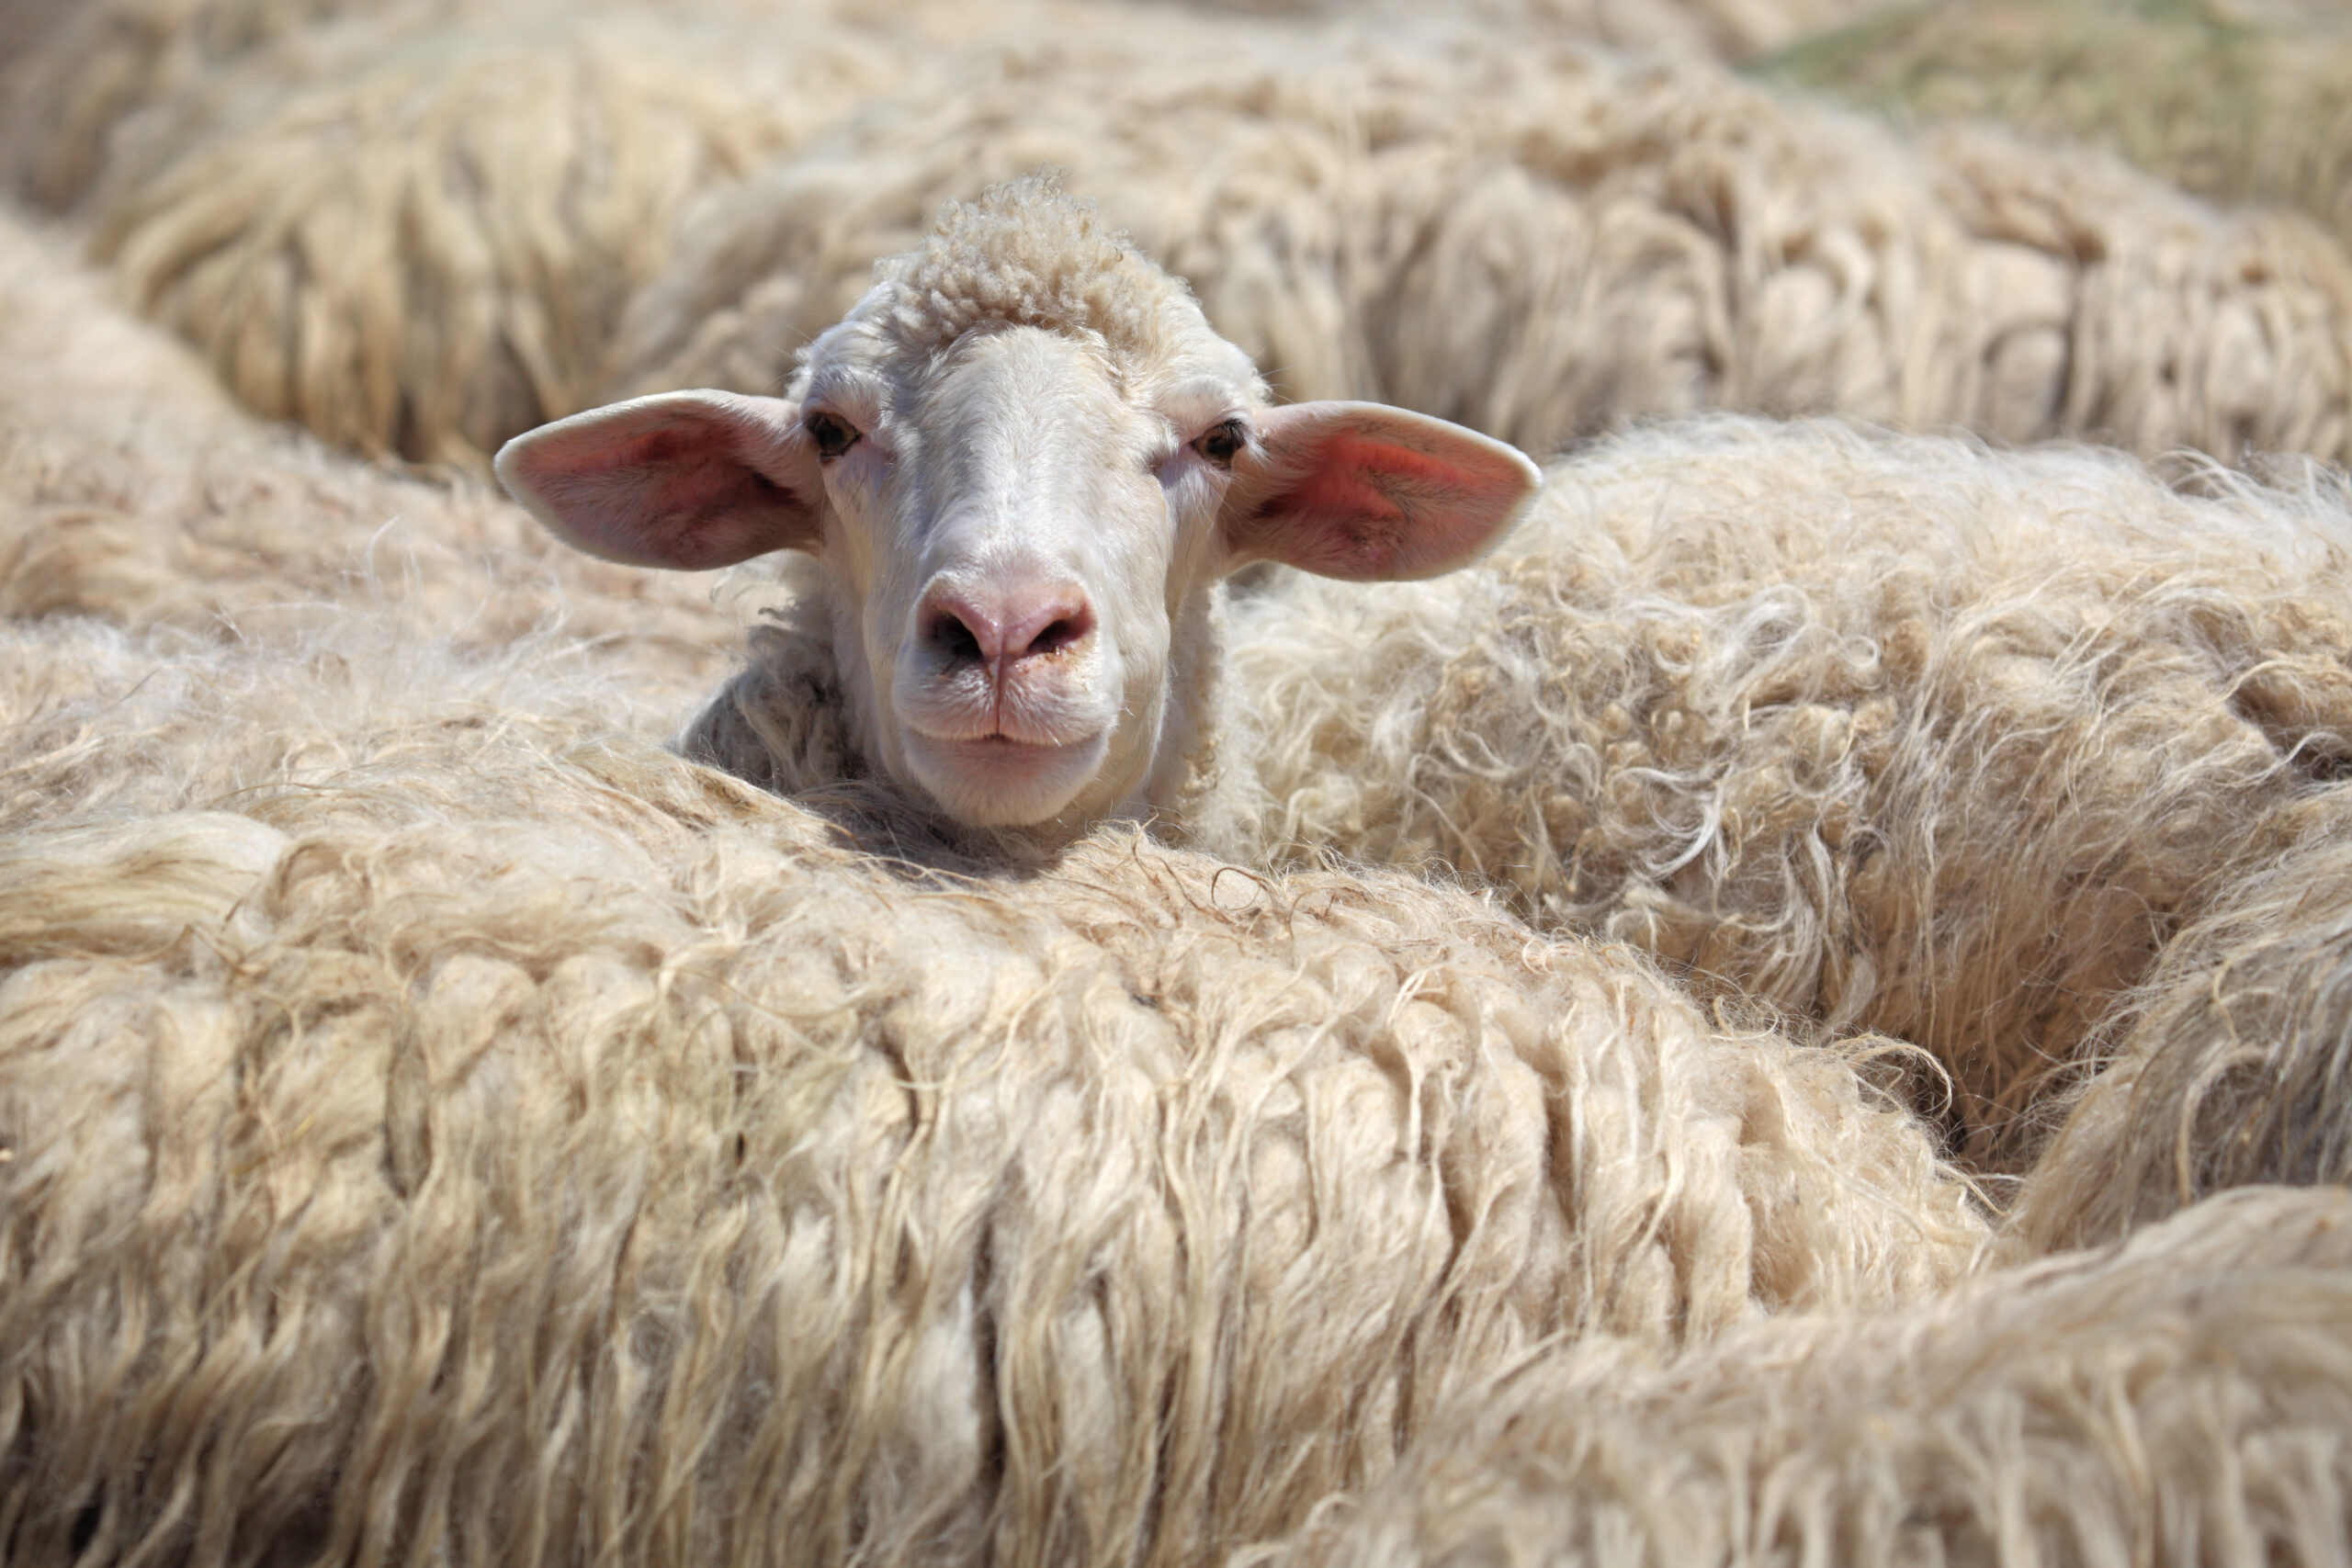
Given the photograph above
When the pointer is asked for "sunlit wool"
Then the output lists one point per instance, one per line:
(132, 488)
(413, 235)
(1897, 733)
(442, 1126)
(440, 1123)
(2182, 1399)
(1542, 242)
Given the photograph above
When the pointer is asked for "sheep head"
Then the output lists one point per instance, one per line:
(1024, 461)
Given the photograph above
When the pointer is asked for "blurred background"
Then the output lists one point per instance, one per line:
(417, 226)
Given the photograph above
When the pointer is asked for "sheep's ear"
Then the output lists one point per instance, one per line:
(683, 480)
(1363, 490)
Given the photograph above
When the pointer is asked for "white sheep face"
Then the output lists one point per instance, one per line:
(1019, 543)
(1023, 518)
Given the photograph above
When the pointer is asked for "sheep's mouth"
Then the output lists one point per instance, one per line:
(999, 780)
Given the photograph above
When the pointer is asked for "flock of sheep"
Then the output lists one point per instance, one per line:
(1794, 1011)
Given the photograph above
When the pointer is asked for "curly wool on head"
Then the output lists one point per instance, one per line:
(1024, 253)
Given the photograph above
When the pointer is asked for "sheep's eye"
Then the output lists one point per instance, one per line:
(1220, 442)
(832, 434)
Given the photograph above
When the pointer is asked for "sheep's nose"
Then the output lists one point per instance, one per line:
(1002, 629)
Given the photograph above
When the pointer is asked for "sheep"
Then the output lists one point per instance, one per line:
(95, 65)
(1900, 734)
(94, 68)
(1463, 215)
(451, 274)
(2237, 102)
(441, 1123)
(2182, 1399)
(412, 230)
(437, 1121)
(1022, 464)
(1545, 244)
(133, 489)
(2225, 1067)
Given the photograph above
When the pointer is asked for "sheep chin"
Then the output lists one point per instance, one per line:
(997, 782)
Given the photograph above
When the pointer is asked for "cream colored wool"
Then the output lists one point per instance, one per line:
(1896, 733)
(1541, 242)
(417, 242)
(24, 24)
(1899, 733)
(2228, 1065)
(2238, 100)
(94, 66)
(2183, 1400)
(133, 489)
(103, 61)
(76, 371)
(410, 224)
(442, 1126)
(413, 232)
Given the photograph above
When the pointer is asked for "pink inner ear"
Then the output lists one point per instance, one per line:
(1362, 492)
(1351, 526)
(678, 480)
(699, 517)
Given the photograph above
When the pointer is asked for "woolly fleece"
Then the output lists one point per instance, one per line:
(443, 1126)
(2181, 1399)
(1897, 733)
(440, 1124)
(1542, 243)
(2237, 100)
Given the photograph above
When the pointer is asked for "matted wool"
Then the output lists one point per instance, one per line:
(1544, 243)
(1898, 733)
(2238, 100)
(441, 1125)
(2182, 1399)
(2229, 1064)
(416, 243)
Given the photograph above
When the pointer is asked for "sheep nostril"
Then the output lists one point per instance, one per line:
(956, 643)
(1055, 637)
(1059, 626)
(965, 631)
